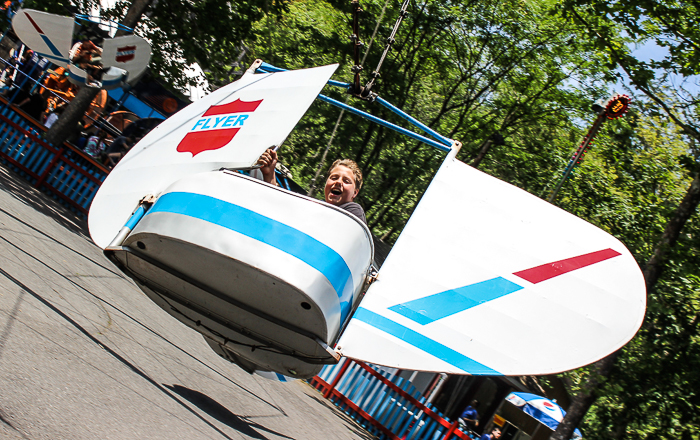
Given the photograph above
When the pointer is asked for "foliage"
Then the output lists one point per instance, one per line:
(62, 7)
(209, 33)
(470, 71)
(630, 184)
(652, 393)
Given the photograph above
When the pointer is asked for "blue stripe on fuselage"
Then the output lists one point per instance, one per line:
(264, 229)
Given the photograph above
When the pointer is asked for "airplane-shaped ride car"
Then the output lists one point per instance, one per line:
(485, 278)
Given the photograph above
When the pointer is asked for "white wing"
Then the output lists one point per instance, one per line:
(47, 34)
(229, 128)
(129, 52)
(489, 279)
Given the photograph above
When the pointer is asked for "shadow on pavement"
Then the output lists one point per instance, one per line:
(97, 263)
(7, 423)
(221, 413)
(15, 185)
(351, 424)
(21, 190)
(109, 350)
(115, 307)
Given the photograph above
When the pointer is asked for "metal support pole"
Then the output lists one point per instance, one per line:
(575, 159)
(451, 430)
(384, 123)
(143, 207)
(414, 121)
(444, 143)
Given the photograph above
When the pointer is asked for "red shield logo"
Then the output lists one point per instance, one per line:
(126, 53)
(217, 126)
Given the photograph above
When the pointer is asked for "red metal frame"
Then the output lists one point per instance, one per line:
(333, 392)
(332, 385)
(330, 391)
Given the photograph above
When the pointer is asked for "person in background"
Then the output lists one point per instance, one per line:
(117, 149)
(58, 90)
(88, 56)
(95, 145)
(495, 434)
(470, 417)
(30, 71)
(52, 117)
(342, 186)
(10, 70)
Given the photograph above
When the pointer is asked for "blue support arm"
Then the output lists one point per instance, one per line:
(414, 121)
(443, 145)
(384, 123)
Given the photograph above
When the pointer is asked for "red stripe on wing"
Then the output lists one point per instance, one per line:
(36, 26)
(551, 270)
(200, 141)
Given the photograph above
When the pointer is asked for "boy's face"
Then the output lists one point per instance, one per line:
(340, 186)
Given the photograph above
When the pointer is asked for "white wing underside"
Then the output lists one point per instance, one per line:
(448, 298)
(130, 52)
(47, 34)
(156, 162)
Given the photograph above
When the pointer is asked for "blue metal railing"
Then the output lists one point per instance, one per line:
(388, 407)
(66, 174)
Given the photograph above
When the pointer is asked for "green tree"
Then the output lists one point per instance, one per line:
(211, 33)
(475, 72)
(631, 184)
(615, 27)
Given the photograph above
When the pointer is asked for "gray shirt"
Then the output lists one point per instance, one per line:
(354, 209)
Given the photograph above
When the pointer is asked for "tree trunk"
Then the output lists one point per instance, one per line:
(485, 147)
(580, 404)
(652, 270)
(687, 207)
(70, 120)
(133, 15)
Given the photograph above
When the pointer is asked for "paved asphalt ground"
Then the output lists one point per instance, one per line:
(85, 355)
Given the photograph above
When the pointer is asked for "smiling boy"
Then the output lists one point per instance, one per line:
(343, 183)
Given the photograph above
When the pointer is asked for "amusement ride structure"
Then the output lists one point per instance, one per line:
(487, 281)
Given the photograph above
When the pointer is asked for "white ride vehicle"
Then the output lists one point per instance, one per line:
(484, 279)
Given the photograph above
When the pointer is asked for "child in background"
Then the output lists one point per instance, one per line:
(95, 145)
